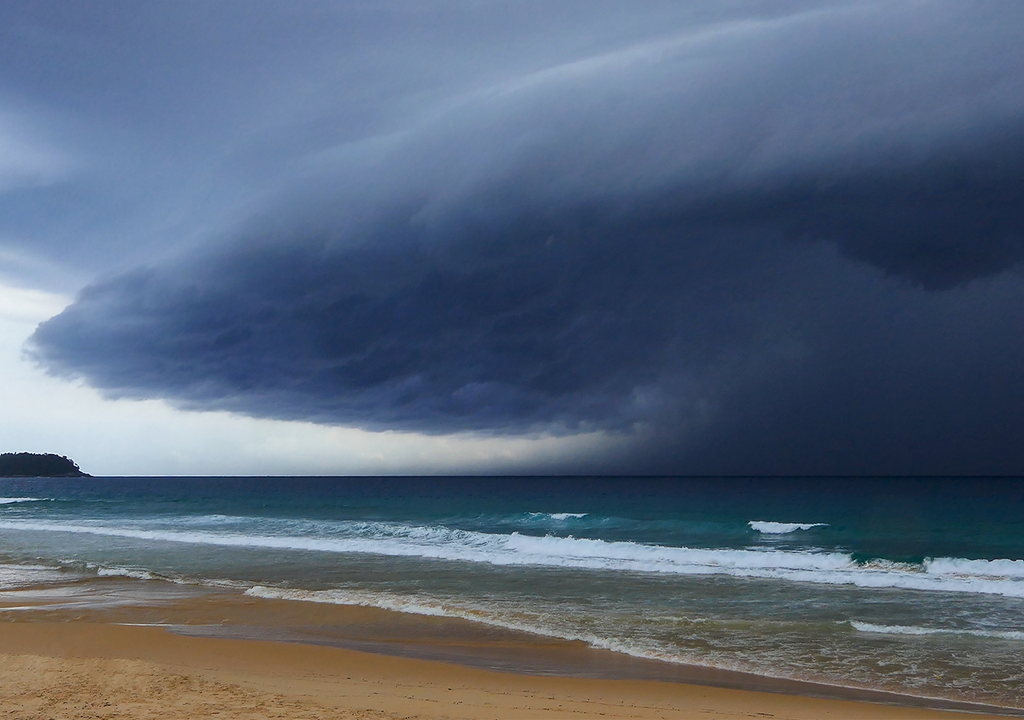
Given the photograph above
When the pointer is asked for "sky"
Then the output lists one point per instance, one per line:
(504, 236)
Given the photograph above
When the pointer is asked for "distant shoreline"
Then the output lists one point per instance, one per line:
(35, 465)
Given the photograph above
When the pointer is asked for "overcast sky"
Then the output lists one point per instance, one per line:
(714, 237)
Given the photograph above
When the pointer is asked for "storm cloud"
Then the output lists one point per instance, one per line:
(764, 243)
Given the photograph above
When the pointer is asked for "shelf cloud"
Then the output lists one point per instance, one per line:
(765, 242)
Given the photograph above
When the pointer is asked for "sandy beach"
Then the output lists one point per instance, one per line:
(511, 359)
(74, 660)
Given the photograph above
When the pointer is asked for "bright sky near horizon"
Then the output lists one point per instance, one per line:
(515, 236)
(149, 437)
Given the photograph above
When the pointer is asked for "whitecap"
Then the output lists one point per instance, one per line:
(558, 517)
(770, 527)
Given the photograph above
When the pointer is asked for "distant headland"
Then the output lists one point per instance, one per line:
(35, 465)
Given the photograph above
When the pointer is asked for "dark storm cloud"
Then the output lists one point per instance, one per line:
(175, 116)
(765, 244)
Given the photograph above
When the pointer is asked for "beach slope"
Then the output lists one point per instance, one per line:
(95, 670)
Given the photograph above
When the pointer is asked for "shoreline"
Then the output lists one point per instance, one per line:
(625, 667)
(234, 623)
(234, 677)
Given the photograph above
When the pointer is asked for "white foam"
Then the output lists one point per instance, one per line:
(566, 516)
(128, 573)
(917, 630)
(18, 576)
(770, 527)
(136, 573)
(961, 567)
(441, 543)
(435, 607)
(12, 500)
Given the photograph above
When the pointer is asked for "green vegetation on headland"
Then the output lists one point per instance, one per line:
(34, 465)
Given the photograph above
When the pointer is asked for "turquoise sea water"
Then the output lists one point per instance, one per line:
(909, 585)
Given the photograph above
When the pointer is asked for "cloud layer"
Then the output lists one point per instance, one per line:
(782, 243)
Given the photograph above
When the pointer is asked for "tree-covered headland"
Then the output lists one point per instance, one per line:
(38, 465)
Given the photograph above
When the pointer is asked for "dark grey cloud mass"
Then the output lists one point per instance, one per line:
(761, 238)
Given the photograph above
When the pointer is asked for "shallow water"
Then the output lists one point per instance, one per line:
(911, 586)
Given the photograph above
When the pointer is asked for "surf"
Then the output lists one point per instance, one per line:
(957, 575)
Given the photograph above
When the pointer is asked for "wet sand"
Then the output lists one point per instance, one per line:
(188, 652)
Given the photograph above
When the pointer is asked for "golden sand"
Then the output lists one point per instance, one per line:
(83, 664)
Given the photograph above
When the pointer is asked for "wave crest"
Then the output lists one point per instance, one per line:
(13, 500)
(770, 527)
(917, 630)
(997, 577)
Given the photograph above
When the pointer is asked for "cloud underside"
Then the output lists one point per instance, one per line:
(770, 253)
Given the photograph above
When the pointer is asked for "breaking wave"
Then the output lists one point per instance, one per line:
(13, 500)
(996, 577)
(769, 527)
(917, 630)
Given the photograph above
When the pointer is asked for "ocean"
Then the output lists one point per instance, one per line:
(906, 585)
